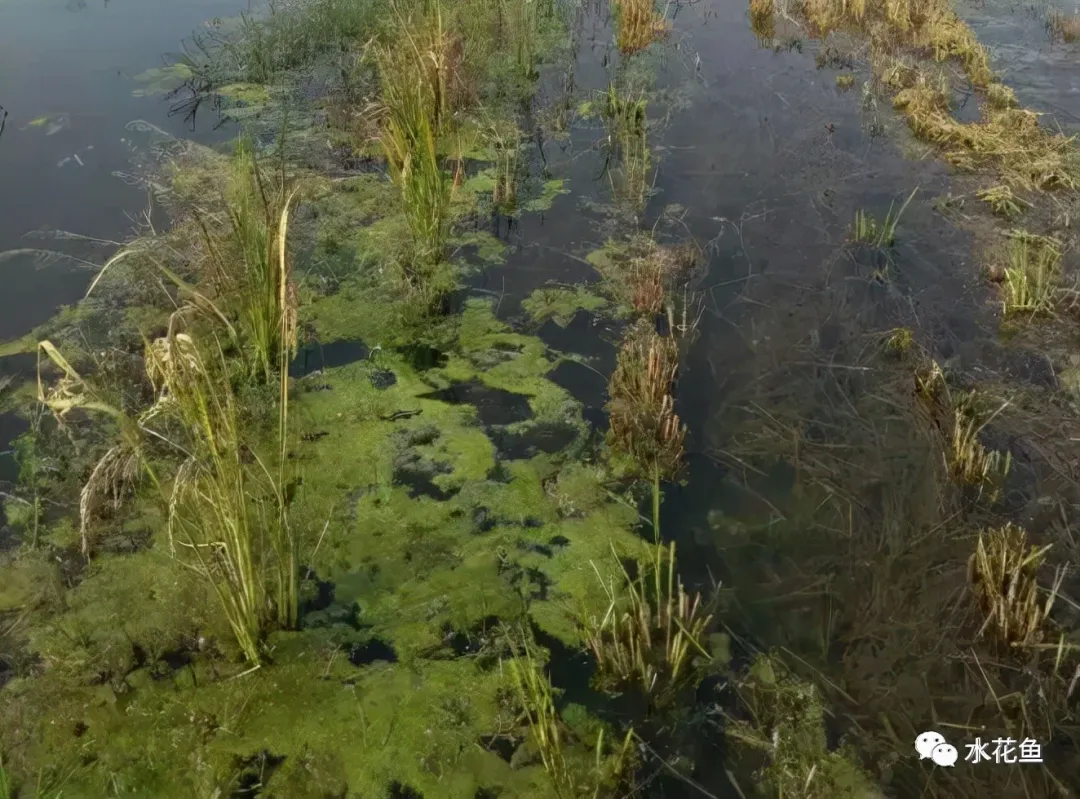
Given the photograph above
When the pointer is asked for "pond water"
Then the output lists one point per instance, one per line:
(762, 159)
(67, 82)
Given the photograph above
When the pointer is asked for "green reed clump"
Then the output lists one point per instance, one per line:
(867, 229)
(416, 74)
(570, 778)
(226, 509)
(1030, 280)
(628, 143)
(653, 633)
(248, 265)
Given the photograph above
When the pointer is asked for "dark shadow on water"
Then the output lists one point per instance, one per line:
(547, 437)
(423, 357)
(372, 651)
(317, 357)
(493, 406)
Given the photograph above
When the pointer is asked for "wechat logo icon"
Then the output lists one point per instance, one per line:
(933, 746)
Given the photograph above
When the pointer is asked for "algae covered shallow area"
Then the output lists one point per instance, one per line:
(315, 499)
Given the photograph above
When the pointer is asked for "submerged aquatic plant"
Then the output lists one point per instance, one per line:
(644, 424)
(1003, 572)
(785, 723)
(638, 25)
(1030, 281)
(628, 142)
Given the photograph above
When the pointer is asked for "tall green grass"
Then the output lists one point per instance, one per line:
(414, 78)
(248, 263)
(226, 508)
(653, 632)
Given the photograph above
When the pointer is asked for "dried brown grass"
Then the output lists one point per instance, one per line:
(639, 25)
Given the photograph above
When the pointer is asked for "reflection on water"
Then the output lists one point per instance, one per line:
(66, 94)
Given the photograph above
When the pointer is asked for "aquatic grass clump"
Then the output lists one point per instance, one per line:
(638, 25)
(866, 228)
(1003, 573)
(1062, 27)
(763, 21)
(569, 779)
(1008, 140)
(653, 632)
(644, 425)
(1003, 202)
(414, 75)
(961, 420)
(249, 266)
(781, 730)
(628, 143)
(1030, 280)
(119, 468)
(225, 509)
(917, 24)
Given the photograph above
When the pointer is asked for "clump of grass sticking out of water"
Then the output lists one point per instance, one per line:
(1007, 139)
(226, 513)
(1030, 281)
(644, 425)
(1062, 27)
(1003, 572)
(415, 79)
(961, 420)
(249, 267)
(653, 631)
(638, 25)
(919, 24)
(569, 780)
(867, 229)
(763, 21)
(628, 142)
(1003, 202)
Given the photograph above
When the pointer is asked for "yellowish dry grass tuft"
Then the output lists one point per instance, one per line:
(1003, 572)
(639, 25)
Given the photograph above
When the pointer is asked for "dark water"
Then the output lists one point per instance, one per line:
(73, 63)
